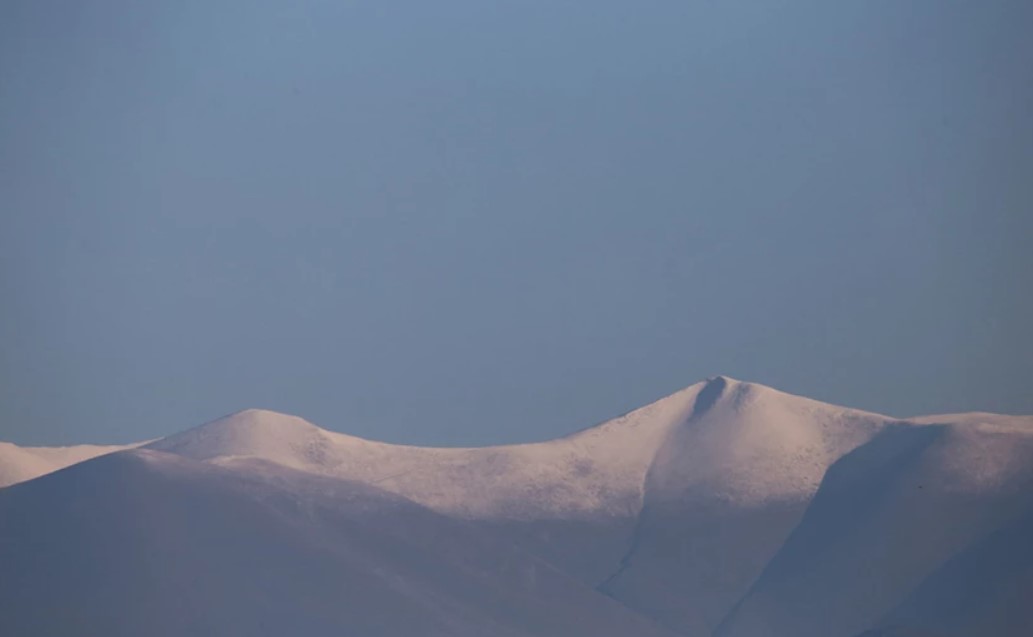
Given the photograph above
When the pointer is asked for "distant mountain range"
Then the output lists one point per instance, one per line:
(727, 509)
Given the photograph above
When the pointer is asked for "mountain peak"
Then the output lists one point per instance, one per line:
(248, 433)
(721, 378)
(256, 417)
(712, 390)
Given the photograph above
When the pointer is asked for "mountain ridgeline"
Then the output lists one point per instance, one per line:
(727, 509)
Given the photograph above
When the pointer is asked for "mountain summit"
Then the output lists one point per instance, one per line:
(256, 433)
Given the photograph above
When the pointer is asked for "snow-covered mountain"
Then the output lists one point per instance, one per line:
(727, 509)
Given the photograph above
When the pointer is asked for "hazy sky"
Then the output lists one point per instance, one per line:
(477, 222)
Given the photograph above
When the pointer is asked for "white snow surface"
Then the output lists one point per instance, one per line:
(722, 439)
(595, 471)
(750, 444)
(753, 446)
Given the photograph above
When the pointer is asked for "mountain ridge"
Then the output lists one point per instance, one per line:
(707, 512)
(295, 442)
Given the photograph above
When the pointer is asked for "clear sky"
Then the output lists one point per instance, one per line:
(478, 222)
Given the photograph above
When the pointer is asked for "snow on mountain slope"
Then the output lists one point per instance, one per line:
(887, 516)
(596, 472)
(751, 445)
(18, 464)
(747, 454)
(724, 492)
(148, 543)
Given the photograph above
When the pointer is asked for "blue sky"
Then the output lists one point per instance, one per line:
(469, 223)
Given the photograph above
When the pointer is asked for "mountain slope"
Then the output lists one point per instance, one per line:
(146, 543)
(18, 464)
(724, 492)
(886, 517)
(983, 590)
(596, 471)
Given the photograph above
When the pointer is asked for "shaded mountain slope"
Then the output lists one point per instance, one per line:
(143, 542)
(886, 517)
(986, 589)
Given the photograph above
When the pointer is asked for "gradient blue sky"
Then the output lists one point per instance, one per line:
(479, 222)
